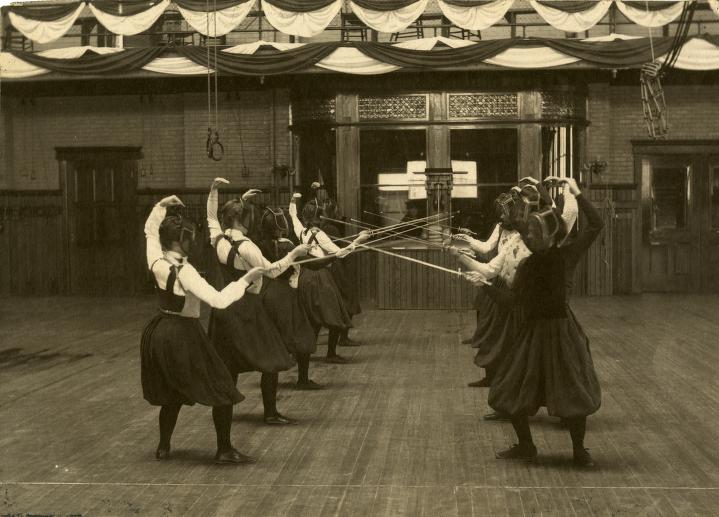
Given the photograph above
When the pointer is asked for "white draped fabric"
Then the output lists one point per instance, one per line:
(76, 52)
(251, 48)
(697, 54)
(647, 18)
(220, 22)
(430, 43)
(611, 37)
(306, 25)
(45, 32)
(348, 60)
(14, 68)
(175, 66)
(531, 57)
(476, 18)
(130, 25)
(572, 22)
(714, 5)
(390, 21)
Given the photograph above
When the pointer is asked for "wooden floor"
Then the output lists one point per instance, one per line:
(396, 433)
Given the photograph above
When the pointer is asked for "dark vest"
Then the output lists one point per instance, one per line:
(168, 300)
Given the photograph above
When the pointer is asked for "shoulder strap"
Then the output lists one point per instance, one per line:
(234, 251)
(171, 278)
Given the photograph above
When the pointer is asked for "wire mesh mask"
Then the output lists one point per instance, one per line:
(176, 228)
(274, 223)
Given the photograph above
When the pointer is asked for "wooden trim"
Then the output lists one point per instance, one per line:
(33, 192)
(84, 153)
(266, 189)
(643, 147)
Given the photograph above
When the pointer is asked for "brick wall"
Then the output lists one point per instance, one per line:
(617, 118)
(171, 129)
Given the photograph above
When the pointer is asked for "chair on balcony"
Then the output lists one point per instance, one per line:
(352, 28)
(414, 31)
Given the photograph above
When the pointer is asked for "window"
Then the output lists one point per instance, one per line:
(386, 158)
(559, 151)
(669, 197)
(492, 153)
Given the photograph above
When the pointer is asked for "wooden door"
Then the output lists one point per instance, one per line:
(710, 233)
(671, 233)
(104, 245)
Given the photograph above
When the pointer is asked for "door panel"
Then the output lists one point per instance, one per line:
(102, 223)
(671, 258)
(711, 240)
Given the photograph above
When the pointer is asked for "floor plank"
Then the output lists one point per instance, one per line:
(397, 432)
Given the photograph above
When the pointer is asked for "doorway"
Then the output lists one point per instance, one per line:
(680, 214)
(105, 255)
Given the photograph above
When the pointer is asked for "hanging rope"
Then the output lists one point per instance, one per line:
(215, 149)
(653, 101)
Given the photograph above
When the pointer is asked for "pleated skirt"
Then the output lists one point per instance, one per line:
(179, 365)
(282, 303)
(247, 339)
(321, 299)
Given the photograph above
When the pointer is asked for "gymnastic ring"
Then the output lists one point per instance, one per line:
(217, 151)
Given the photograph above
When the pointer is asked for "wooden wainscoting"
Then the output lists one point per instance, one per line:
(400, 284)
(32, 257)
(611, 265)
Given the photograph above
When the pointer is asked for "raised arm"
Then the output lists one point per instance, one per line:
(297, 225)
(570, 211)
(152, 229)
(588, 234)
(213, 223)
(152, 234)
(192, 282)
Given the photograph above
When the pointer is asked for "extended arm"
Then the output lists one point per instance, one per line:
(192, 282)
(587, 235)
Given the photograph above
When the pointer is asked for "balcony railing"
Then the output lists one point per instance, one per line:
(172, 29)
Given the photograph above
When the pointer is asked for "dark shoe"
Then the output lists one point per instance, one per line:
(483, 383)
(162, 453)
(335, 359)
(232, 457)
(496, 416)
(348, 342)
(582, 458)
(467, 341)
(518, 452)
(309, 385)
(279, 420)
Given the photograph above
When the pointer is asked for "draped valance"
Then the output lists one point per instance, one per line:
(307, 18)
(363, 58)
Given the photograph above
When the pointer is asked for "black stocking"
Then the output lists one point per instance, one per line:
(577, 428)
(168, 419)
(332, 342)
(268, 385)
(222, 417)
(303, 368)
(521, 427)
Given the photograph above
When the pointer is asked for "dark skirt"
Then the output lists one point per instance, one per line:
(497, 329)
(342, 272)
(179, 365)
(246, 338)
(321, 299)
(550, 365)
(282, 304)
